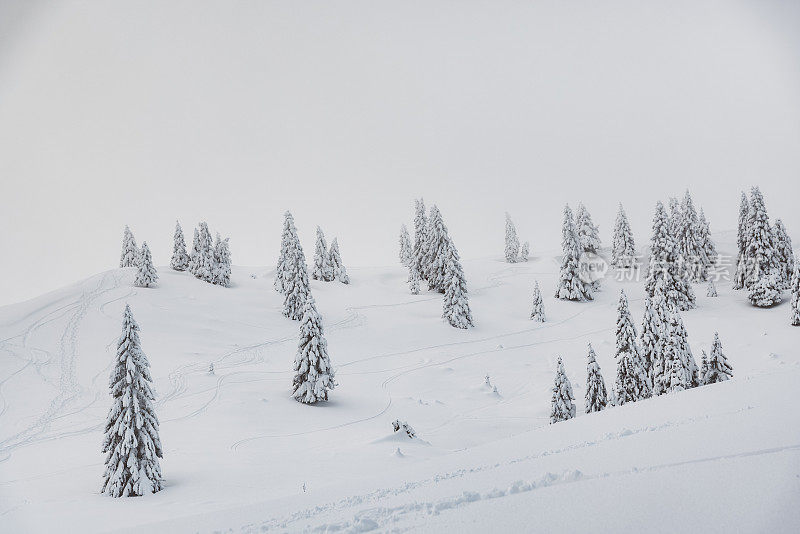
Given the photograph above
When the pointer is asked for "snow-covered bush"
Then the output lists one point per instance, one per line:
(399, 425)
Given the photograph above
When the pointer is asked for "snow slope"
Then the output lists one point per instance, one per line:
(241, 455)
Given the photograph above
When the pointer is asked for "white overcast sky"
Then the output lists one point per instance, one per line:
(138, 113)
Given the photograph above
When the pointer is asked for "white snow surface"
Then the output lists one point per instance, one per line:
(240, 455)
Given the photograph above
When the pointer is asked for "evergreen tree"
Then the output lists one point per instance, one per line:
(708, 245)
(146, 275)
(760, 253)
(132, 444)
(420, 252)
(222, 262)
(570, 285)
(712, 289)
(632, 382)
(765, 290)
(623, 250)
(437, 249)
(323, 270)
(180, 259)
(406, 249)
(680, 368)
(783, 253)
(130, 253)
(413, 278)
(205, 255)
(719, 370)
(739, 279)
(691, 244)
(537, 311)
(655, 340)
(651, 334)
(525, 252)
(665, 262)
(194, 256)
(562, 407)
(596, 398)
(512, 242)
(313, 374)
(455, 307)
(295, 278)
(794, 307)
(703, 369)
(335, 259)
(588, 233)
(285, 260)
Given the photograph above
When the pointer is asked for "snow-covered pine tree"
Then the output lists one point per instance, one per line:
(205, 255)
(222, 262)
(295, 279)
(657, 332)
(719, 370)
(288, 238)
(570, 284)
(194, 255)
(766, 290)
(180, 259)
(455, 305)
(313, 374)
(561, 406)
(783, 253)
(651, 335)
(740, 277)
(760, 254)
(588, 233)
(413, 278)
(596, 398)
(132, 444)
(705, 238)
(420, 251)
(437, 249)
(674, 376)
(632, 383)
(337, 267)
(623, 250)
(406, 249)
(525, 252)
(130, 253)
(512, 241)
(537, 311)
(323, 270)
(794, 307)
(665, 262)
(146, 275)
(691, 243)
(712, 289)
(703, 368)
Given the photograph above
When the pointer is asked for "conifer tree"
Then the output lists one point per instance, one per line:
(760, 253)
(525, 252)
(413, 278)
(420, 252)
(537, 311)
(512, 241)
(783, 253)
(570, 284)
(180, 259)
(285, 261)
(588, 233)
(665, 262)
(222, 262)
(337, 267)
(406, 249)
(712, 289)
(703, 368)
(740, 277)
(655, 341)
(651, 335)
(719, 370)
(130, 253)
(632, 382)
(313, 374)
(794, 307)
(680, 368)
(623, 250)
(205, 255)
(323, 270)
(708, 245)
(132, 444)
(691, 244)
(765, 290)
(194, 256)
(561, 406)
(596, 398)
(455, 306)
(295, 279)
(146, 275)
(437, 249)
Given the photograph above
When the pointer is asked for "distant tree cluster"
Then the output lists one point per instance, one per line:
(209, 260)
(513, 252)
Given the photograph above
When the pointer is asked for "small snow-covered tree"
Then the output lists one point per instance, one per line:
(739, 278)
(313, 374)
(130, 253)
(335, 260)
(783, 253)
(406, 249)
(765, 291)
(222, 262)
(794, 308)
(561, 406)
(651, 334)
(146, 275)
(525, 252)
(632, 383)
(596, 398)
(703, 369)
(512, 241)
(413, 278)
(295, 280)
(194, 256)
(285, 261)
(420, 251)
(437, 249)
(323, 270)
(712, 289)
(623, 249)
(537, 311)
(180, 259)
(588, 233)
(205, 255)
(132, 444)
(719, 370)
(455, 306)
(570, 284)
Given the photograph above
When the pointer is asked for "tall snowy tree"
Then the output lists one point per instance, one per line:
(691, 245)
(707, 243)
(313, 374)
(783, 253)
(194, 256)
(740, 277)
(719, 370)
(665, 262)
(651, 334)
(588, 233)
(703, 368)
(130, 253)
(794, 307)
(632, 383)
(680, 369)
(146, 275)
(760, 253)
(570, 284)
(413, 278)
(623, 250)
(295, 278)
(455, 306)
(131, 444)
(205, 255)
(596, 398)
(406, 249)
(285, 261)
(654, 341)
(420, 252)
(561, 406)
(512, 241)
(222, 262)
(537, 311)
(335, 259)
(323, 270)
(180, 259)
(437, 249)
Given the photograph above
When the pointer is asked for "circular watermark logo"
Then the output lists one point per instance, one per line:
(591, 267)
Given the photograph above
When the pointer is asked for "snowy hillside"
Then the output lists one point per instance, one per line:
(241, 455)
